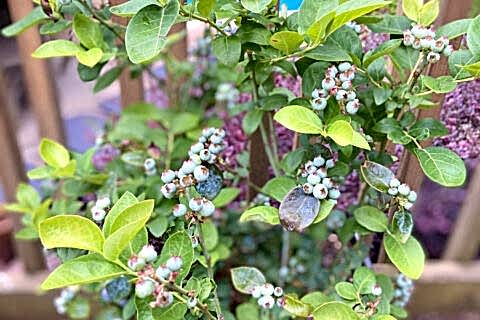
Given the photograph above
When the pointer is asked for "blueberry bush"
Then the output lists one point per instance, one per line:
(153, 221)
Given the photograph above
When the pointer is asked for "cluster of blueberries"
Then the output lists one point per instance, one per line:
(337, 83)
(424, 39)
(318, 183)
(402, 191)
(203, 206)
(227, 93)
(205, 151)
(150, 281)
(268, 296)
(98, 210)
(403, 290)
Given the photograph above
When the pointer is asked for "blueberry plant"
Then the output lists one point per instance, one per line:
(141, 221)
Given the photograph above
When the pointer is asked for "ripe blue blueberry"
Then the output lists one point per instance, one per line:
(179, 210)
(197, 147)
(344, 66)
(118, 289)
(341, 95)
(195, 204)
(216, 139)
(320, 191)
(208, 208)
(207, 132)
(318, 161)
(144, 288)
(334, 193)
(216, 148)
(201, 173)
(163, 272)
(188, 166)
(212, 186)
(148, 253)
(205, 155)
(168, 176)
(174, 263)
(313, 178)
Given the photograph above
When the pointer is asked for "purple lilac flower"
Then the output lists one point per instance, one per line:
(104, 155)
(461, 115)
(349, 191)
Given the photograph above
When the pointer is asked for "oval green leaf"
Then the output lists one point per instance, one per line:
(408, 257)
(371, 218)
(299, 119)
(244, 279)
(264, 214)
(334, 311)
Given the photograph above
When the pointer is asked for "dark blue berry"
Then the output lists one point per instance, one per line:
(212, 186)
(118, 289)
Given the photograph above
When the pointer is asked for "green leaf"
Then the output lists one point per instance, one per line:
(346, 290)
(311, 11)
(255, 6)
(454, 29)
(402, 225)
(359, 141)
(91, 57)
(57, 48)
(227, 49)
(350, 10)
(443, 84)
(392, 25)
(27, 233)
(296, 307)
(210, 234)
(341, 132)
(292, 160)
(473, 37)
(147, 32)
(412, 8)
(371, 218)
(244, 279)
(34, 17)
(78, 308)
(315, 299)
(429, 12)
(53, 153)
(88, 31)
(326, 206)
(82, 270)
(317, 31)
(107, 79)
(205, 7)
(130, 8)
(364, 280)
(226, 196)
(334, 311)
(286, 41)
(125, 227)
(126, 200)
(175, 311)
(377, 176)
(158, 226)
(435, 127)
(442, 166)
(178, 244)
(252, 120)
(264, 214)
(247, 311)
(183, 122)
(254, 33)
(27, 196)
(408, 257)
(473, 69)
(299, 119)
(40, 173)
(71, 231)
(278, 187)
(384, 49)
(329, 51)
(52, 27)
(458, 59)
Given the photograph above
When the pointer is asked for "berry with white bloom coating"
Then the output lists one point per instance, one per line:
(438, 46)
(327, 182)
(144, 288)
(330, 163)
(168, 176)
(103, 202)
(416, 44)
(196, 159)
(433, 57)
(320, 191)
(319, 104)
(201, 173)
(267, 289)
(98, 214)
(148, 253)
(319, 93)
(392, 191)
(266, 302)
(328, 83)
(408, 205)
(347, 85)
(318, 161)
(351, 95)
(313, 178)
(164, 299)
(307, 188)
(352, 106)
(195, 204)
(197, 147)
(376, 290)
(191, 302)
(205, 155)
(174, 263)
(334, 194)
(278, 292)
(149, 164)
(448, 50)
(341, 95)
(344, 66)
(331, 71)
(208, 208)
(412, 196)
(220, 132)
(322, 172)
(408, 38)
(168, 190)
(136, 263)
(394, 183)
(256, 292)
(179, 210)
(163, 272)
(207, 132)
(403, 189)
(216, 139)
(188, 166)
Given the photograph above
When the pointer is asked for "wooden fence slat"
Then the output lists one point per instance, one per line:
(464, 241)
(11, 174)
(37, 76)
(410, 171)
(132, 90)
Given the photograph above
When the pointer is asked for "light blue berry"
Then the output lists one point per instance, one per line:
(256, 292)
(148, 253)
(220, 132)
(205, 155)
(351, 95)
(412, 196)
(174, 263)
(149, 164)
(191, 302)
(179, 210)
(347, 85)
(196, 159)
(163, 272)
(330, 163)
(319, 104)
(216, 139)
(341, 95)
(328, 84)
(403, 189)
(207, 132)
(334, 194)
(188, 166)
(318, 161)
(208, 208)
(352, 106)
(320, 191)
(392, 191)
(197, 147)
(195, 204)
(267, 289)
(447, 52)
(322, 172)
(266, 302)
(327, 182)
(408, 205)
(136, 263)
(313, 178)
(144, 288)
(394, 183)
(201, 173)
(168, 190)
(344, 66)
(307, 188)
(168, 176)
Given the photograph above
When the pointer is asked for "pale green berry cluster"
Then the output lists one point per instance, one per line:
(403, 291)
(406, 197)
(98, 211)
(268, 296)
(425, 39)
(318, 182)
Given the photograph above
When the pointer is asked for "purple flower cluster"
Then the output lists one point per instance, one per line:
(289, 82)
(349, 191)
(371, 40)
(104, 155)
(461, 115)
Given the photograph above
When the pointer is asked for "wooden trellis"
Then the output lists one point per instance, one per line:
(447, 285)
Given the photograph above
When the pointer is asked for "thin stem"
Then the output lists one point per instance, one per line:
(273, 139)
(200, 18)
(298, 54)
(170, 145)
(414, 70)
(208, 260)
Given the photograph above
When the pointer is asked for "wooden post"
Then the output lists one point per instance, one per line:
(464, 241)
(11, 174)
(410, 171)
(131, 89)
(37, 76)
(259, 164)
